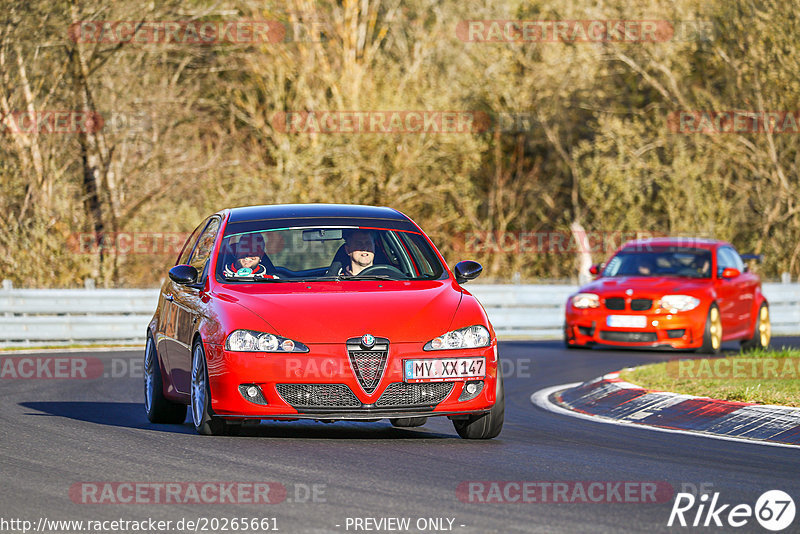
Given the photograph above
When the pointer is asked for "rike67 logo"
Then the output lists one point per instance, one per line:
(774, 510)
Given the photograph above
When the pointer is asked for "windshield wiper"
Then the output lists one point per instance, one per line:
(373, 277)
(315, 279)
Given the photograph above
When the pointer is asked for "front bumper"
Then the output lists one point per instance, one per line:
(682, 330)
(326, 373)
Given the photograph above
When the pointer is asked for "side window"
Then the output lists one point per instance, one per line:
(426, 263)
(205, 243)
(183, 259)
(726, 258)
(737, 260)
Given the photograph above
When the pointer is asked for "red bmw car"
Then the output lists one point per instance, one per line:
(670, 292)
(322, 312)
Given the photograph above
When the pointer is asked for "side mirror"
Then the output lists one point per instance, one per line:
(183, 274)
(594, 269)
(467, 270)
(730, 272)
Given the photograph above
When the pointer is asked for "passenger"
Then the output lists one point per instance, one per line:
(248, 252)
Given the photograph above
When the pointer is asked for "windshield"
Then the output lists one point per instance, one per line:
(666, 261)
(319, 253)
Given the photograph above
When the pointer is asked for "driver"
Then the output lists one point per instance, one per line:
(360, 247)
(645, 267)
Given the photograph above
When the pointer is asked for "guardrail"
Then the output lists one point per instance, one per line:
(63, 316)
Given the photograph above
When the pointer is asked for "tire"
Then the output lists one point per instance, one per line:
(762, 333)
(485, 426)
(575, 346)
(159, 409)
(712, 335)
(203, 419)
(408, 422)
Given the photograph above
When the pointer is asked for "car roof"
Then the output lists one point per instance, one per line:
(249, 218)
(303, 211)
(687, 242)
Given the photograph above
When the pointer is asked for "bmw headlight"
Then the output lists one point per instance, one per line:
(679, 303)
(464, 338)
(252, 341)
(585, 300)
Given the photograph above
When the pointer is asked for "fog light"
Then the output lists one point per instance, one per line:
(252, 393)
(471, 390)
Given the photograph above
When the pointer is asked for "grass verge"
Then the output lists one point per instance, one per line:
(761, 377)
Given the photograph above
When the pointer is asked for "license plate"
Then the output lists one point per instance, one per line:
(626, 321)
(444, 369)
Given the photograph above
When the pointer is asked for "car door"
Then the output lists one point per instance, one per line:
(745, 287)
(726, 292)
(167, 320)
(188, 305)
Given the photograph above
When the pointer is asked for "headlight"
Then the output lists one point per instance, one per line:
(676, 303)
(252, 341)
(585, 300)
(463, 338)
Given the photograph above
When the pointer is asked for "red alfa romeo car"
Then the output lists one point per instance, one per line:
(323, 312)
(670, 292)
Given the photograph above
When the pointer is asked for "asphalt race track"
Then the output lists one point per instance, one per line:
(59, 434)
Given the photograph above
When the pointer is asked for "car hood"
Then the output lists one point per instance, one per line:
(618, 285)
(331, 312)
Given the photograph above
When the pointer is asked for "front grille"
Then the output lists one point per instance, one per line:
(402, 394)
(615, 303)
(641, 304)
(318, 395)
(630, 337)
(368, 364)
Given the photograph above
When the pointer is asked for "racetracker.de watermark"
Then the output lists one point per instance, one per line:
(180, 32)
(124, 243)
(328, 368)
(178, 492)
(51, 122)
(733, 122)
(583, 31)
(551, 241)
(735, 369)
(51, 368)
(564, 492)
(195, 492)
(381, 122)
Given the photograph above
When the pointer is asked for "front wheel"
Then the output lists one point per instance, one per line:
(712, 336)
(762, 333)
(204, 421)
(159, 409)
(485, 426)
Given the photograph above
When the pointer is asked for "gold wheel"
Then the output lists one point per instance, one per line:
(764, 328)
(715, 328)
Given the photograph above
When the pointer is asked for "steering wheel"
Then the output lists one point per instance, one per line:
(385, 270)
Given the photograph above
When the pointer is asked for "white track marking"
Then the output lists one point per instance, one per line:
(541, 399)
